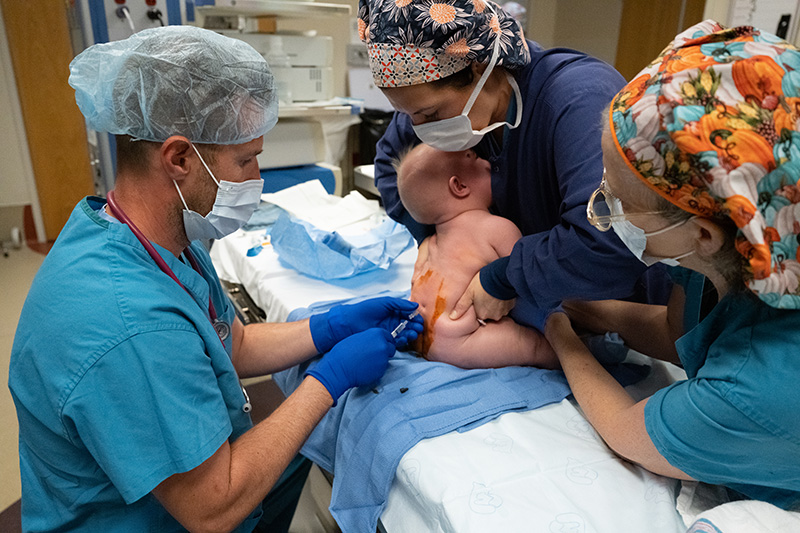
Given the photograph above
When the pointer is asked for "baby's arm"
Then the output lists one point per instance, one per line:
(503, 235)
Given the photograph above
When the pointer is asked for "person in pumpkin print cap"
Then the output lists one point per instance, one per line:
(702, 161)
(461, 75)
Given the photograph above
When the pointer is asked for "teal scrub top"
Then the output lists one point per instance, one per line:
(736, 420)
(119, 380)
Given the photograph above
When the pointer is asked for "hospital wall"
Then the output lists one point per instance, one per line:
(625, 33)
(591, 26)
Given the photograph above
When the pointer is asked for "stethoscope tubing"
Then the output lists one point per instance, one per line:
(117, 211)
(123, 217)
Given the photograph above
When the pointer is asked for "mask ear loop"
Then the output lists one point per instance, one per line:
(204, 165)
(181, 195)
(489, 68)
(515, 87)
(207, 170)
(671, 226)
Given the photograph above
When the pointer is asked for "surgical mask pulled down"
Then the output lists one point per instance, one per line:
(455, 134)
(635, 238)
(233, 207)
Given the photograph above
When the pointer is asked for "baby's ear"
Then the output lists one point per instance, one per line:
(458, 187)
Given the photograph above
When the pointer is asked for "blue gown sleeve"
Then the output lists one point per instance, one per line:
(573, 259)
(398, 138)
(149, 408)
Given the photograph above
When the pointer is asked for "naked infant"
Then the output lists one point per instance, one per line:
(452, 190)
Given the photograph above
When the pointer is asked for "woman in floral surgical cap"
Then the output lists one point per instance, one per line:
(702, 161)
(461, 75)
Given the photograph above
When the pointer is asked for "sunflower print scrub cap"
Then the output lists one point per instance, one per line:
(411, 42)
(712, 126)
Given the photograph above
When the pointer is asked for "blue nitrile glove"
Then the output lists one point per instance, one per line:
(360, 359)
(531, 316)
(341, 321)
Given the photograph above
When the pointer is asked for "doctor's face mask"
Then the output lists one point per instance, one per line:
(456, 134)
(233, 207)
(635, 238)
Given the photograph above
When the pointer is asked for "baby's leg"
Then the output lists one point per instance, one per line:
(497, 344)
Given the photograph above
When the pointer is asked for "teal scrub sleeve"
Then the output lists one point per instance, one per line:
(700, 432)
(149, 408)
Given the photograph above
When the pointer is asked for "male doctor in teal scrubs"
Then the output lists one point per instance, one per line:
(126, 363)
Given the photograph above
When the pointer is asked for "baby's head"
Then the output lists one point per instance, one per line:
(434, 185)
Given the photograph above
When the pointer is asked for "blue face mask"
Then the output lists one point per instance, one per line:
(233, 207)
(635, 238)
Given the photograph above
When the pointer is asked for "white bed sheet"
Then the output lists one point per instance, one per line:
(542, 470)
(545, 470)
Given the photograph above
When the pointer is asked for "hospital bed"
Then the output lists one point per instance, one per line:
(544, 469)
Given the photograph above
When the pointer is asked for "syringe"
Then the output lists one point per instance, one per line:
(399, 329)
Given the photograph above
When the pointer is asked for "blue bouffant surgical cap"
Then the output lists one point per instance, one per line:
(176, 80)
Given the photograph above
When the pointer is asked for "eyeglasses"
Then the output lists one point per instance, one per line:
(604, 208)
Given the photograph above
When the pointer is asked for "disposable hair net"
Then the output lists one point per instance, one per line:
(176, 80)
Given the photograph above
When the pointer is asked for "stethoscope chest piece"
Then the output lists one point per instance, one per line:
(223, 329)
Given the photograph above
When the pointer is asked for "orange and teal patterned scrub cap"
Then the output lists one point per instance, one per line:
(418, 41)
(713, 126)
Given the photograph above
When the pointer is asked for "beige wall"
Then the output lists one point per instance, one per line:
(591, 26)
(717, 10)
(542, 15)
(16, 274)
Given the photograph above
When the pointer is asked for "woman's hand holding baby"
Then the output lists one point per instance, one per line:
(487, 307)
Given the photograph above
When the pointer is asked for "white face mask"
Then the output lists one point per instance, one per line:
(233, 207)
(635, 239)
(456, 134)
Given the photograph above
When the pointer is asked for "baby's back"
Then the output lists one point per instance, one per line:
(447, 262)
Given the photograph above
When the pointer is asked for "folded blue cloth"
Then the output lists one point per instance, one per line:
(327, 255)
(364, 437)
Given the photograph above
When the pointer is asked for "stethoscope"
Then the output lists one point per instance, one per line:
(222, 328)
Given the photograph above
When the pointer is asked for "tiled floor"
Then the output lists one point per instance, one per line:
(16, 273)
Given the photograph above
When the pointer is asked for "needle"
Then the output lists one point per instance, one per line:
(399, 329)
